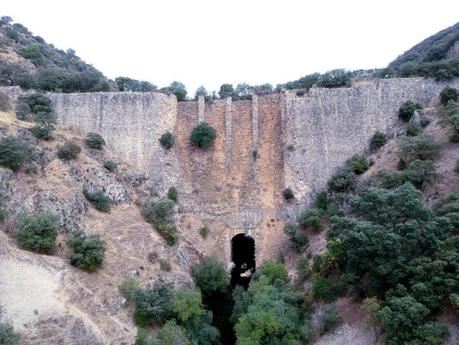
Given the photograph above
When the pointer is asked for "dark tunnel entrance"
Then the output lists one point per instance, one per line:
(243, 257)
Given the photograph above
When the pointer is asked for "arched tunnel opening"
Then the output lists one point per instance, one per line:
(243, 257)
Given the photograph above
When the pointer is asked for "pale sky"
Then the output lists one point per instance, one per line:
(215, 42)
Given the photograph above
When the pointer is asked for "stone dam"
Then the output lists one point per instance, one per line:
(263, 145)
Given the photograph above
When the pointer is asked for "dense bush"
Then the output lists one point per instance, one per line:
(413, 129)
(310, 219)
(4, 102)
(203, 135)
(298, 238)
(164, 265)
(204, 232)
(37, 232)
(99, 200)
(420, 147)
(420, 172)
(88, 251)
(167, 140)
(395, 248)
(342, 180)
(37, 107)
(407, 110)
(210, 276)
(94, 141)
(449, 115)
(388, 179)
(321, 201)
(271, 311)
(160, 214)
(335, 78)
(68, 151)
(323, 290)
(302, 267)
(14, 153)
(110, 165)
(7, 335)
(288, 194)
(377, 141)
(358, 164)
(33, 52)
(328, 319)
(153, 306)
(128, 287)
(172, 194)
(448, 94)
(226, 90)
(128, 84)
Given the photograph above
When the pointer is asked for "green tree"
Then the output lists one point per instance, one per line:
(203, 135)
(448, 94)
(37, 232)
(335, 78)
(226, 90)
(94, 141)
(342, 180)
(14, 153)
(407, 110)
(88, 251)
(210, 275)
(153, 306)
(420, 147)
(449, 114)
(178, 89)
(187, 305)
(420, 172)
(171, 334)
(200, 91)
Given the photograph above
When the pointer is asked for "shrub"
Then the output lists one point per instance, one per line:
(44, 133)
(288, 194)
(210, 276)
(153, 306)
(302, 267)
(335, 78)
(167, 140)
(99, 200)
(311, 219)
(172, 194)
(448, 94)
(94, 141)
(323, 290)
(37, 232)
(152, 257)
(68, 151)
(358, 164)
(407, 110)
(425, 121)
(226, 90)
(4, 102)
(14, 153)
(33, 52)
(342, 180)
(110, 165)
(389, 179)
(321, 201)
(413, 129)
(7, 335)
(420, 147)
(128, 287)
(419, 172)
(178, 89)
(23, 111)
(377, 141)
(456, 166)
(88, 251)
(204, 232)
(298, 238)
(3, 214)
(164, 265)
(203, 135)
(449, 115)
(329, 319)
(454, 138)
(160, 214)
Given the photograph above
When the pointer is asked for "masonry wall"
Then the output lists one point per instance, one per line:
(131, 124)
(262, 146)
(327, 126)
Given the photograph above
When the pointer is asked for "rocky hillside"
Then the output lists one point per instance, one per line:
(30, 62)
(437, 56)
(43, 297)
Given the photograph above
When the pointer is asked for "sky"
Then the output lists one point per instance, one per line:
(214, 42)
